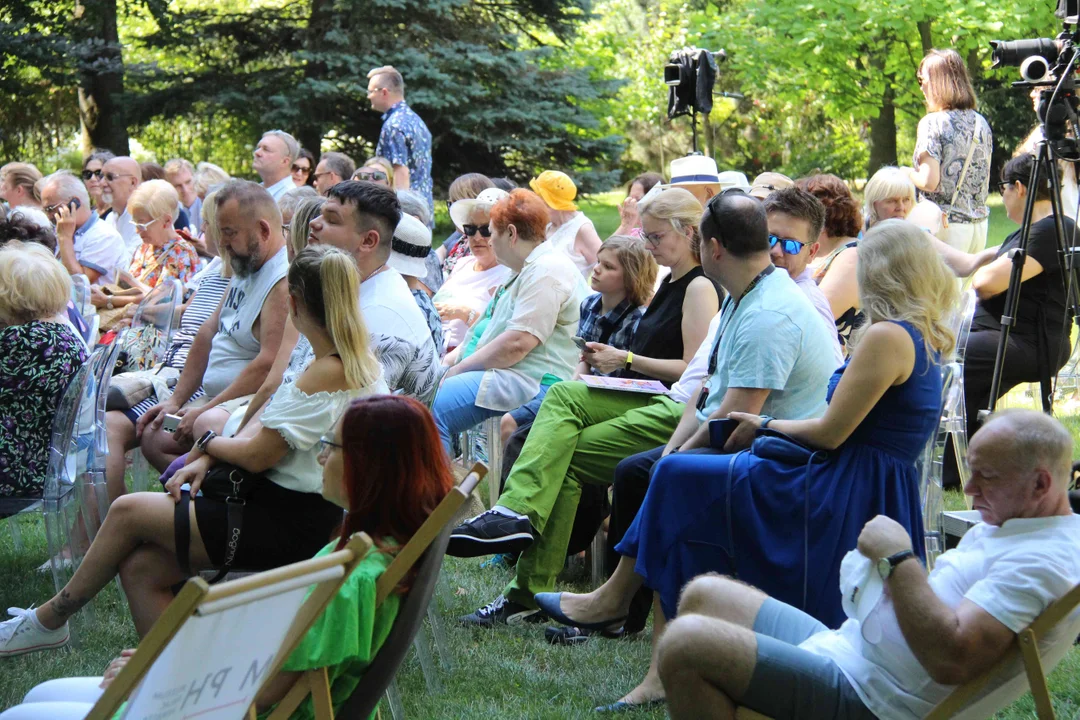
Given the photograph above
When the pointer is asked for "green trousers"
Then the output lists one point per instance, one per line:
(579, 435)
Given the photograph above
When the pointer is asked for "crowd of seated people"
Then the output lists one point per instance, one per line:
(743, 389)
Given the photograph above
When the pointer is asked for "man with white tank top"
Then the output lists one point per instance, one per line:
(236, 346)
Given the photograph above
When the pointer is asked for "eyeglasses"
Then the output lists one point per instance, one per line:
(653, 239)
(789, 246)
(284, 228)
(1003, 186)
(143, 227)
(325, 444)
(87, 174)
(319, 175)
(373, 91)
(470, 230)
(110, 176)
(73, 204)
(376, 176)
(301, 168)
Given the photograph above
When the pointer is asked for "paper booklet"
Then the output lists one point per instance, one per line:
(648, 387)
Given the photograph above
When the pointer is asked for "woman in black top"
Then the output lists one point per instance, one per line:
(1039, 341)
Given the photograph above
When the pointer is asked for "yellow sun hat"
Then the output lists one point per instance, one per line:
(556, 189)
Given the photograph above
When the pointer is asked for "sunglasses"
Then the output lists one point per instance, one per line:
(789, 246)
(301, 168)
(325, 444)
(116, 176)
(88, 174)
(376, 176)
(470, 230)
(143, 227)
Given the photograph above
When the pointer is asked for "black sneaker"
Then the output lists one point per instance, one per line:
(502, 612)
(576, 636)
(489, 533)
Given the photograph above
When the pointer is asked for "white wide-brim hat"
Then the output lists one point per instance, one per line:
(462, 209)
(734, 179)
(693, 170)
(410, 247)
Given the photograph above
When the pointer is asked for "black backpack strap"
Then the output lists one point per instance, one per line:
(182, 532)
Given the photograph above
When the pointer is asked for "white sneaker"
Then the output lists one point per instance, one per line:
(23, 634)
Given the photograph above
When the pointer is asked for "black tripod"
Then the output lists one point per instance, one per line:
(1068, 254)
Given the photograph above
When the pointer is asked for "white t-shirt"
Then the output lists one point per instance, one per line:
(472, 288)
(390, 309)
(124, 225)
(99, 247)
(1013, 572)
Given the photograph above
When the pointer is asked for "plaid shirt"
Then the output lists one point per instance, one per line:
(619, 325)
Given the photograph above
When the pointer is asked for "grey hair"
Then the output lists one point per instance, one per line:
(339, 163)
(68, 185)
(292, 148)
(389, 75)
(888, 182)
(291, 198)
(413, 203)
(1037, 441)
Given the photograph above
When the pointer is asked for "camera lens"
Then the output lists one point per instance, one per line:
(1012, 53)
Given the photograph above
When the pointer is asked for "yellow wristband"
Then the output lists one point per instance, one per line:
(629, 360)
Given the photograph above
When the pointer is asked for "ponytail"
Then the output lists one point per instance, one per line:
(341, 293)
(327, 280)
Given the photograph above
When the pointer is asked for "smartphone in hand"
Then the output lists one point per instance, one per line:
(580, 342)
(719, 432)
(170, 423)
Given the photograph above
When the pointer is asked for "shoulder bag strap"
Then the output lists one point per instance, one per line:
(967, 162)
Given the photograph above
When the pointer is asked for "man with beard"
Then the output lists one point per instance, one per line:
(235, 348)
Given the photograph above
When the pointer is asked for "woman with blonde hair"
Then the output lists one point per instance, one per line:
(952, 150)
(888, 195)
(580, 434)
(378, 170)
(163, 252)
(285, 517)
(783, 523)
(17, 185)
(39, 354)
(207, 177)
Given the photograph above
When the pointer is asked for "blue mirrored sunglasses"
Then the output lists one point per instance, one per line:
(789, 246)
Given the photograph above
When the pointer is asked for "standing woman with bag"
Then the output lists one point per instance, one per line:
(952, 151)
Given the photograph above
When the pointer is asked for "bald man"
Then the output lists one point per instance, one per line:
(121, 175)
(733, 645)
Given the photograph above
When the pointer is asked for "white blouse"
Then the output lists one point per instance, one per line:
(302, 419)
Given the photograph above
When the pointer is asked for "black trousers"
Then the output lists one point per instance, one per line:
(1021, 365)
(632, 478)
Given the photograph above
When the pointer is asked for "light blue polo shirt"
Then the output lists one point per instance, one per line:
(775, 340)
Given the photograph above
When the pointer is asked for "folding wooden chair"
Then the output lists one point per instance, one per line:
(215, 647)
(317, 682)
(1035, 664)
(964, 702)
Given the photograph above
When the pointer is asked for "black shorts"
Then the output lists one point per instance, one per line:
(280, 526)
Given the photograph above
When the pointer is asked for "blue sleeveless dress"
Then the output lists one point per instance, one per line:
(782, 528)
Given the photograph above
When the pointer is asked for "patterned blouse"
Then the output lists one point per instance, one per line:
(176, 259)
(406, 140)
(37, 361)
(946, 137)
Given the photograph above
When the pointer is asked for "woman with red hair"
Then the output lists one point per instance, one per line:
(531, 322)
(383, 465)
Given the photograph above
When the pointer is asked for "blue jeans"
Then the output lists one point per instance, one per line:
(455, 408)
(813, 686)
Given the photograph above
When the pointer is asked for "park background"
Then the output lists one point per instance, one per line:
(508, 88)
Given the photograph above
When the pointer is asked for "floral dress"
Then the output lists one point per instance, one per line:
(176, 259)
(37, 361)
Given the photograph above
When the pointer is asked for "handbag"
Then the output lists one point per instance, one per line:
(928, 215)
(128, 389)
(234, 485)
(774, 445)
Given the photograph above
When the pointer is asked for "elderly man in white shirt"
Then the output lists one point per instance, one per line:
(86, 244)
(272, 160)
(904, 651)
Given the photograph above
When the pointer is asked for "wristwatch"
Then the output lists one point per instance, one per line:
(885, 566)
(765, 420)
(202, 442)
(109, 304)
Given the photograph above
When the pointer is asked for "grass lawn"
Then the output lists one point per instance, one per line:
(509, 673)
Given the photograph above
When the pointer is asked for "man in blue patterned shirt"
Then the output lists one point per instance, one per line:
(404, 140)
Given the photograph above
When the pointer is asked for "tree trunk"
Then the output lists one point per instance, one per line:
(883, 131)
(310, 133)
(926, 36)
(101, 78)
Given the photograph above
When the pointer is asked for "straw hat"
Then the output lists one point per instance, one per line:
(734, 179)
(556, 189)
(410, 246)
(462, 209)
(693, 170)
